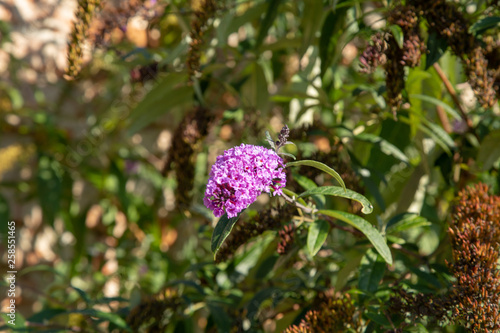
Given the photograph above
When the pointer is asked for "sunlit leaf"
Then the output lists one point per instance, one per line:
(484, 24)
(294, 195)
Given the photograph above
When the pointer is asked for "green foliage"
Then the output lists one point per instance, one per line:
(93, 170)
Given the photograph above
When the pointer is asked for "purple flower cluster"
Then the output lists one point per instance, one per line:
(240, 175)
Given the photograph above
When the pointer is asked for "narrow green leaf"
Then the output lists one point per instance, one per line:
(426, 278)
(398, 35)
(436, 101)
(321, 166)
(489, 150)
(436, 46)
(366, 228)
(316, 236)
(439, 134)
(251, 14)
(288, 154)
(294, 195)
(46, 314)
(4, 215)
(255, 303)
(330, 32)
(406, 221)
(254, 93)
(484, 24)
(371, 271)
(339, 192)
(270, 140)
(310, 23)
(377, 318)
(19, 323)
(221, 231)
(220, 317)
(108, 316)
(304, 182)
(267, 22)
(385, 146)
(172, 91)
(49, 181)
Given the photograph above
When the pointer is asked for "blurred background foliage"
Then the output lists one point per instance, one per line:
(111, 118)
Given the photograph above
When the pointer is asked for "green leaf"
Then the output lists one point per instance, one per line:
(171, 92)
(19, 323)
(426, 278)
(385, 146)
(484, 24)
(255, 303)
(267, 22)
(220, 317)
(489, 150)
(308, 184)
(107, 316)
(82, 294)
(249, 15)
(4, 215)
(294, 195)
(406, 221)
(398, 35)
(418, 328)
(310, 23)
(436, 46)
(371, 271)
(339, 192)
(436, 101)
(366, 228)
(221, 231)
(321, 166)
(16, 98)
(49, 181)
(46, 314)
(377, 318)
(439, 135)
(316, 235)
(270, 140)
(288, 154)
(330, 33)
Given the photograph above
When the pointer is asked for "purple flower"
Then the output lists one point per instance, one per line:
(240, 175)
